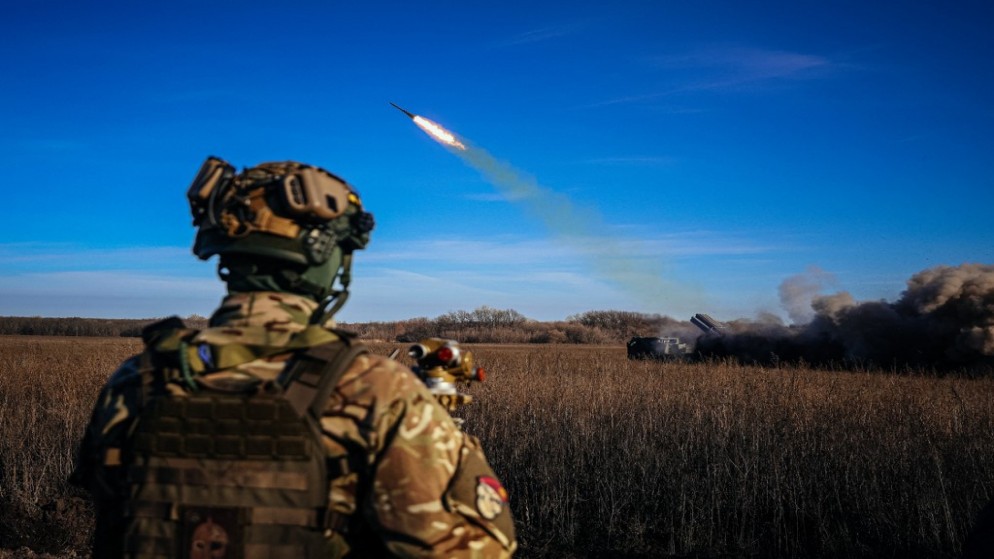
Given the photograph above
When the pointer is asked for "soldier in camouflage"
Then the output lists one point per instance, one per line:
(271, 434)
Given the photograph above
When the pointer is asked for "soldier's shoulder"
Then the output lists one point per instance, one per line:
(378, 369)
(376, 381)
(128, 373)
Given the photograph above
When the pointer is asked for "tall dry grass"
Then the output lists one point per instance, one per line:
(608, 457)
(604, 456)
(47, 389)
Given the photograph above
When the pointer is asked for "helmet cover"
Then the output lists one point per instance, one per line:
(286, 215)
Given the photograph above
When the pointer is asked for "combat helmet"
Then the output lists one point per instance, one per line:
(282, 226)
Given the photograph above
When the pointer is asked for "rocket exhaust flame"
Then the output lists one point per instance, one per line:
(433, 129)
(439, 133)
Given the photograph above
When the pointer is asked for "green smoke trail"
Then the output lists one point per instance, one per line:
(611, 258)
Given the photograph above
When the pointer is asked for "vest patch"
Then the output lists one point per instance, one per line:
(204, 352)
(210, 533)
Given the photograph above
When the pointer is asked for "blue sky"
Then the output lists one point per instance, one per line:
(687, 156)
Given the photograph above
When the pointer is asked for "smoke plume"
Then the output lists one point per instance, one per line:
(944, 320)
(798, 292)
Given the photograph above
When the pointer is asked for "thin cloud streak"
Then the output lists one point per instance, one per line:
(110, 294)
(393, 294)
(745, 63)
(513, 251)
(119, 282)
(725, 68)
(648, 160)
(541, 34)
(42, 257)
(24, 260)
(43, 252)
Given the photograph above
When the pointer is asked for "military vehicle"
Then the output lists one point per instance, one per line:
(667, 348)
(656, 348)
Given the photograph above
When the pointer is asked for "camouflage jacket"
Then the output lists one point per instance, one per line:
(418, 484)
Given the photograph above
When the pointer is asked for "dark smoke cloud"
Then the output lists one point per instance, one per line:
(944, 320)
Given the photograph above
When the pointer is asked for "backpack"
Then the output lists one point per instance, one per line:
(234, 473)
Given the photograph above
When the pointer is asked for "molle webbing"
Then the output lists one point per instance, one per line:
(192, 473)
(257, 427)
(256, 515)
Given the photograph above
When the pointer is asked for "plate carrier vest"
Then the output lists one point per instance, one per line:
(217, 474)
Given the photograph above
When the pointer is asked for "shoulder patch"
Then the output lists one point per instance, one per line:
(491, 497)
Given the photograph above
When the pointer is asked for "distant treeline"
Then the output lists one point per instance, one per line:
(483, 325)
(76, 326)
(489, 325)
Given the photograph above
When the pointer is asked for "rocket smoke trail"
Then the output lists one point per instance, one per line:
(611, 258)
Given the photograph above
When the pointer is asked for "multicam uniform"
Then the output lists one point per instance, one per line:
(406, 480)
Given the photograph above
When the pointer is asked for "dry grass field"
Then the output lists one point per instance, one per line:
(604, 457)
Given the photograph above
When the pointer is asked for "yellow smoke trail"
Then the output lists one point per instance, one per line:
(614, 259)
(611, 258)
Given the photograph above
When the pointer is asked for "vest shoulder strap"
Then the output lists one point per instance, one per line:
(314, 373)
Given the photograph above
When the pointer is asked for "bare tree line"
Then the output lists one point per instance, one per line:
(77, 326)
(490, 325)
(482, 325)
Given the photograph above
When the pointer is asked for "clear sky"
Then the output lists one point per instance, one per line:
(680, 157)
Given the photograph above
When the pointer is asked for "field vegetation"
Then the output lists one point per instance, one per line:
(606, 457)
